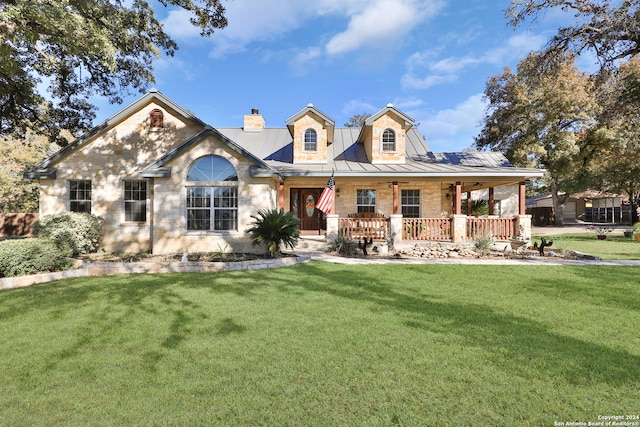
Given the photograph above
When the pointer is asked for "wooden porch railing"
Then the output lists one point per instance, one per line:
(499, 228)
(426, 229)
(363, 228)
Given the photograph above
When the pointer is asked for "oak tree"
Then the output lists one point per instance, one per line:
(56, 54)
(537, 117)
(608, 28)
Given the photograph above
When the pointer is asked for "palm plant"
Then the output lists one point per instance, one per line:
(274, 228)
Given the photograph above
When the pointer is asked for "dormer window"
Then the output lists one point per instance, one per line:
(156, 119)
(388, 140)
(310, 140)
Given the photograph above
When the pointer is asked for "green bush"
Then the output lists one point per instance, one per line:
(482, 243)
(342, 246)
(79, 231)
(27, 256)
(274, 228)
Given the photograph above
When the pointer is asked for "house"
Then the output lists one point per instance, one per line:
(592, 206)
(165, 181)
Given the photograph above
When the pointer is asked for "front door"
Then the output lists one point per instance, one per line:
(303, 203)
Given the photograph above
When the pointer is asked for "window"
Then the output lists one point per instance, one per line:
(310, 140)
(80, 196)
(410, 203)
(366, 201)
(135, 201)
(388, 140)
(156, 119)
(212, 207)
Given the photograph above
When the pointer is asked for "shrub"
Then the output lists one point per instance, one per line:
(79, 231)
(27, 256)
(482, 243)
(274, 228)
(342, 245)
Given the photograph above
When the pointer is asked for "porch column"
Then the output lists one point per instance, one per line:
(457, 202)
(523, 226)
(522, 205)
(396, 203)
(491, 200)
(332, 226)
(468, 203)
(395, 230)
(281, 195)
(458, 228)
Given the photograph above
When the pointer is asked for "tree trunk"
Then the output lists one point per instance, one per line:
(557, 206)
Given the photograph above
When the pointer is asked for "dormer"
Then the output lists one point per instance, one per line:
(384, 135)
(312, 132)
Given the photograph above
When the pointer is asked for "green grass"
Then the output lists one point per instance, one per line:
(615, 246)
(324, 344)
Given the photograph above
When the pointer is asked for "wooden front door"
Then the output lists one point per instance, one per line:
(303, 203)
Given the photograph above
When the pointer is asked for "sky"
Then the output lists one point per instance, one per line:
(429, 58)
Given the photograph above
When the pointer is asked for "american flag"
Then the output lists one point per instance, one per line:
(326, 198)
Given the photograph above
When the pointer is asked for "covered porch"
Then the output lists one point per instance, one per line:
(438, 213)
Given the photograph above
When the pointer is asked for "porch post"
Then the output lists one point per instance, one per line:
(468, 203)
(281, 195)
(491, 200)
(395, 198)
(395, 230)
(522, 205)
(458, 199)
(523, 226)
(458, 228)
(332, 226)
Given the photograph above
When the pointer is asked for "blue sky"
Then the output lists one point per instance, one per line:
(430, 58)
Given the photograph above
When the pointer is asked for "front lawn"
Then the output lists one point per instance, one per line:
(324, 344)
(615, 246)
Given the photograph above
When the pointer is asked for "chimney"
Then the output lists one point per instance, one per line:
(253, 122)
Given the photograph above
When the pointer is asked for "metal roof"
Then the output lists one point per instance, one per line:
(347, 157)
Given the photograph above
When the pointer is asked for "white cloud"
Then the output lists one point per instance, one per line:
(453, 129)
(177, 25)
(369, 22)
(423, 71)
(381, 20)
(301, 61)
(358, 106)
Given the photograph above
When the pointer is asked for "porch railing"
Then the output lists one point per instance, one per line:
(426, 229)
(363, 228)
(499, 228)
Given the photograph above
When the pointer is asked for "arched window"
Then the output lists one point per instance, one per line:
(156, 118)
(212, 169)
(388, 140)
(214, 206)
(310, 140)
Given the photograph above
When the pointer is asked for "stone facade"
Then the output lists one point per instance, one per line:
(128, 147)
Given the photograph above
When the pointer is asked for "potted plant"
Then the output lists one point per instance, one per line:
(636, 231)
(601, 231)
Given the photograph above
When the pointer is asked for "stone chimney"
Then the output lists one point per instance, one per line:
(253, 122)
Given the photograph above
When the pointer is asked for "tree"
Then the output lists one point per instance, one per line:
(16, 156)
(75, 49)
(357, 120)
(617, 139)
(538, 117)
(611, 30)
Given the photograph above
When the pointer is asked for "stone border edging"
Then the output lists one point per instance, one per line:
(142, 267)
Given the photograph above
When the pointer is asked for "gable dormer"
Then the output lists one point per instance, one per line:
(384, 135)
(312, 132)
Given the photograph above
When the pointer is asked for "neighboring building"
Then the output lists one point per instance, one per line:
(591, 206)
(165, 181)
